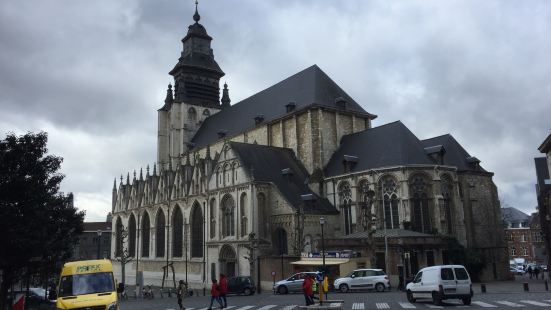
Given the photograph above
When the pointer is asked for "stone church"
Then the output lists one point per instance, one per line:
(240, 189)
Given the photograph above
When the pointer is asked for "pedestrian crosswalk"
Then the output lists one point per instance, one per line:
(404, 305)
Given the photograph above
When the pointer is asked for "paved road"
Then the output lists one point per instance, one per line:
(352, 301)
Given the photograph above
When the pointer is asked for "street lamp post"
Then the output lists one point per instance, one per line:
(322, 223)
(99, 242)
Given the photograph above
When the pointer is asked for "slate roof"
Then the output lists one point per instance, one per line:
(455, 155)
(267, 163)
(393, 144)
(390, 233)
(95, 226)
(388, 145)
(512, 215)
(307, 88)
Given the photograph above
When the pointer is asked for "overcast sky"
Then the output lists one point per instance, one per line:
(93, 74)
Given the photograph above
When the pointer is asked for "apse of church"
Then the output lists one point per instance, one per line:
(239, 189)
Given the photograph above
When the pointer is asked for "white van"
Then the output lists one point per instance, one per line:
(440, 283)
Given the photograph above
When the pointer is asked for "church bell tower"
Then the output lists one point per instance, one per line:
(196, 94)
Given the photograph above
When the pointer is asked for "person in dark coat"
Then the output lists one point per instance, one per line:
(182, 290)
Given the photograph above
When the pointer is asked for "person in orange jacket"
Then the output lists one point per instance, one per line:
(214, 294)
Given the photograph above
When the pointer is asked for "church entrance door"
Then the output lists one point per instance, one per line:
(227, 260)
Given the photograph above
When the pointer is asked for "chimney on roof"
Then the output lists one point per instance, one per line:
(258, 119)
(287, 174)
(348, 162)
(291, 106)
(222, 134)
(340, 102)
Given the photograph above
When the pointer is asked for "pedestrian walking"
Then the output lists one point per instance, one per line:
(530, 271)
(223, 290)
(182, 290)
(307, 290)
(536, 272)
(214, 294)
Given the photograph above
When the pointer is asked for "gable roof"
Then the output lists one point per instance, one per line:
(307, 88)
(388, 145)
(455, 155)
(267, 163)
(513, 215)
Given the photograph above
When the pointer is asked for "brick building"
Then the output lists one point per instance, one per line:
(543, 192)
(91, 241)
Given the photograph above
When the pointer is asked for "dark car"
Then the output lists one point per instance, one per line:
(241, 285)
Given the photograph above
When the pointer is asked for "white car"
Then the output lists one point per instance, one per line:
(440, 283)
(363, 279)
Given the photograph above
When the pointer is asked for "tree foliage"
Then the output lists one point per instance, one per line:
(472, 259)
(39, 224)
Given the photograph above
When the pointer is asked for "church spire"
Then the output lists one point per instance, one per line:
(196, 16)
(225, 97)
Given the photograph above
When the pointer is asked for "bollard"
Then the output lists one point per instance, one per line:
(161, 292)
(483, 287)
(169, 292)
(546, 285)
(525, 286)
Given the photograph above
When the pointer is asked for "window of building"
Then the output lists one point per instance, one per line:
(212, 218)
(390, 203)
(446, 186)
(118, 238)
(523, 238)
(132, 236)
(196, 231)
(228, 216)
(420, 204)
(243, 214)
(513, 252)
(160, 234)
(177, 232)
(145, 235)
(280, 241)
(524, 251)
(263, 216)
(192, 115)
(345, 199)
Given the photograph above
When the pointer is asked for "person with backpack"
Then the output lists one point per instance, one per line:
(180, 293)
(223, 290)
(214, 294)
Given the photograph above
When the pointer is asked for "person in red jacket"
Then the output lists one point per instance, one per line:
(214, 294)
(223, 290)
(307, 290)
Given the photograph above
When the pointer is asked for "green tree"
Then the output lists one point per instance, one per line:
(38, 224)
(472, 259)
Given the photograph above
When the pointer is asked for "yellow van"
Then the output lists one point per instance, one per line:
(87, 284)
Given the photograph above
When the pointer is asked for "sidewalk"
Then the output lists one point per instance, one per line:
(514, 286)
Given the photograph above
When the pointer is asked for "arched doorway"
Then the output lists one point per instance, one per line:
(227, 261)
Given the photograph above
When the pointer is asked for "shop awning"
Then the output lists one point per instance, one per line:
(319, 261)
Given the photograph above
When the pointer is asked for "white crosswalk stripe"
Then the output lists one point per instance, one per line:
(334, 304)
(510, 304)
(358, 306)
(289, 307)
(229, 307)
(244, 308)
(483, 304)
(265, 307)
(382, 305)
(535, 303)
(407, 305)
(434, 306)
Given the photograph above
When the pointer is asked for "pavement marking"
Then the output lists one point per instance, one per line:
(483, 304)
(289, 307)
(265, 307)
(434, 306)
(535, 303)
(334, 304)
(407, 305)
(510, 304)
(229, 307)
(358, 306)
(243, 308)
(382, 305)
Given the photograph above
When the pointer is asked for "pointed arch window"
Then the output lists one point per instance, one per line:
(132, 236)
(146, 226)
(160, 234)
(345, 200)
(177, 232)
(196, 231)
(446, 203)
(420, 204)
(212, 218)
(243, 213)
(228, 216)
(118, 238)
(280, 241)
(192, 115)
(389, 190)
(263, 220)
